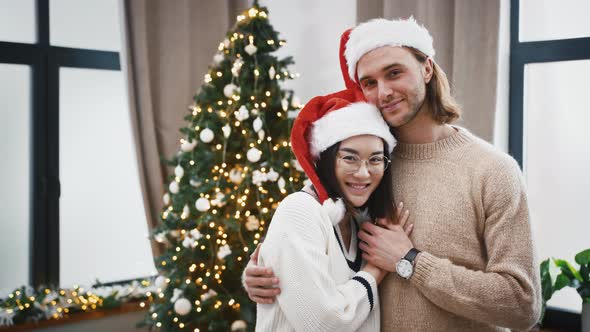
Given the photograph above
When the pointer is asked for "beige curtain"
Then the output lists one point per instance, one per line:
(169, 45)
(465, 36)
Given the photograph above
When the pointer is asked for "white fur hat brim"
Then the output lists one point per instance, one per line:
(352, 120)
(381, 32)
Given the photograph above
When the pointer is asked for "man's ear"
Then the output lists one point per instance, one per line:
(427, 70)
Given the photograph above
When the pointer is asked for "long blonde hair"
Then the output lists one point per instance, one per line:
(443, 106)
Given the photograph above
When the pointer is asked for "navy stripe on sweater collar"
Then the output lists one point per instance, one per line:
(356, 265)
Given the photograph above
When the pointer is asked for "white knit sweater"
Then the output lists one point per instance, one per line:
(320, 291)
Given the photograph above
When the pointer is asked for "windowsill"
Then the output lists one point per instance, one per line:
(77, 317)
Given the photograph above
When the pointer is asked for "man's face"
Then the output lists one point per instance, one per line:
(392, 79)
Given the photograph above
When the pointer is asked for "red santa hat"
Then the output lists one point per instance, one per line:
(376, 33)
(327, 120)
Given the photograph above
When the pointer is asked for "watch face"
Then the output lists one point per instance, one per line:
(404, 268)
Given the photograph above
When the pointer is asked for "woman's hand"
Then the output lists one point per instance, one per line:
(376, 272)
(386, 243)
(401, 219)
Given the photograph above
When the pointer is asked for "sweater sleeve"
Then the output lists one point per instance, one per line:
(296, 249)
(507, 293)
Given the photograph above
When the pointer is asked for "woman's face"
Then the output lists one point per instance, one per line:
(357, 184)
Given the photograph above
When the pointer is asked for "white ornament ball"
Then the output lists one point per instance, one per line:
(160, 237)
(194, 183)
(187, 146)
(242, 113)
(206, 135)
(282, 183)
(218, 58)
(258, 177)
(272, 73)
(188, 242)
(173, 187)
(226, 43)
(223, 251)
(272, 175)
(238, 325)
(261, 135)
(295, 102)
(235, 176)
(182, 306)
(257, 124)
(250, 49)
(219, 199)
(166, 199)
(229, 89)
(252, 223)
(179, 171)
(285, 104)
(196, 234)
(161, 283)
(185, 212)
(226, 130)
(237, 66)
(202, 204)
(253, 155)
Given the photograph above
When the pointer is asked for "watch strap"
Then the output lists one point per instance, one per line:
(411, 255)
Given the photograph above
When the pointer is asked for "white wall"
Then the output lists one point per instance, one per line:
(312, 30)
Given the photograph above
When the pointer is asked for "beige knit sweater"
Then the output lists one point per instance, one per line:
(477, 270)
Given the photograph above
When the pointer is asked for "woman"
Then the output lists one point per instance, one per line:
(312, 244)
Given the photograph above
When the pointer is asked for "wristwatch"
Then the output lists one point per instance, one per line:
(405, 267)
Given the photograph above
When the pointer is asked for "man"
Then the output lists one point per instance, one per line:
(470, 264)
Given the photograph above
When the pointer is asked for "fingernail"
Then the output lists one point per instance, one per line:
(275, 280)
(400, 204)
(407, 211)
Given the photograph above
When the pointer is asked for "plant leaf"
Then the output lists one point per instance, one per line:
(546, 281)
(562, 281)
(583, 257)
(568, 269)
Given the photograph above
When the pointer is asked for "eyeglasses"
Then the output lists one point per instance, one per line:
(351, 163)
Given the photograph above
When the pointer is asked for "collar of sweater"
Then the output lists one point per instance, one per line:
(432, 150)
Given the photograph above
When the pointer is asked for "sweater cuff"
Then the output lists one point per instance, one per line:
(425, 266)
(370, 284)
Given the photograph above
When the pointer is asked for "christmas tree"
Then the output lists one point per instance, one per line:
(233, 168)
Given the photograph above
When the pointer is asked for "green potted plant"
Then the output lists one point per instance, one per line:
(558, 273)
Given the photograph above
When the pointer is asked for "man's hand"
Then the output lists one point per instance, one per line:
(260, 282)
(384, 245)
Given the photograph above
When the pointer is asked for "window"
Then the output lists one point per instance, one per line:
(549, 116)
(70, 175)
